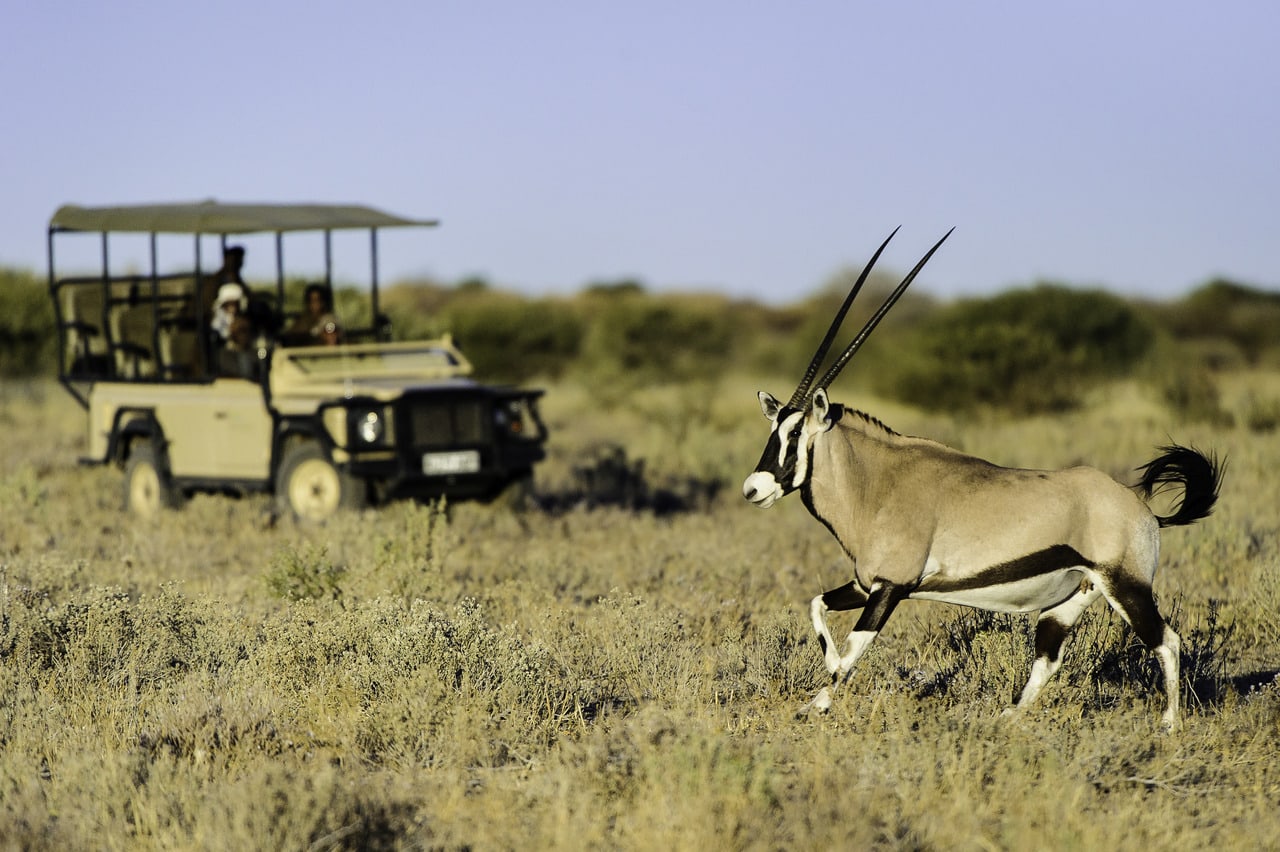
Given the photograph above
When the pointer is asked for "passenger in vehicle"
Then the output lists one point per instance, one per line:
(232, 333)
(316, 325)
(232, 263)
(228, 273)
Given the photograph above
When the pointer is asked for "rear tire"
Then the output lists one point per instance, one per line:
(148, 487)
(312, 488)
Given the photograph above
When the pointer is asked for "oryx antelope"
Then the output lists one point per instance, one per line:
(922, 520)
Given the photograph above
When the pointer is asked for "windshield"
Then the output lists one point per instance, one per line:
(402, 360)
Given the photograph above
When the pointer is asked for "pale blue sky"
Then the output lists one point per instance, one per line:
(750, 148)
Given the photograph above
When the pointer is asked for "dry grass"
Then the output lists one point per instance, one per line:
(472, 677)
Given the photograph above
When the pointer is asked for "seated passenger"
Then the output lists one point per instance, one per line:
(315, 326)
(232, 334)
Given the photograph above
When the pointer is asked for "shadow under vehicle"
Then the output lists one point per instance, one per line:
(322, 427)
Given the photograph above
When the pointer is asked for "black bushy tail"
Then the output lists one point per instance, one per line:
(1198, 474)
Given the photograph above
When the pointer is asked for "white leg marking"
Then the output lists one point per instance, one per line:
(1041, 670)
(818, 612)
(820, 703)
(859, 641)
(1168, 652)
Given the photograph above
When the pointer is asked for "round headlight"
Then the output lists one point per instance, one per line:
(369, 427)
(510, 417)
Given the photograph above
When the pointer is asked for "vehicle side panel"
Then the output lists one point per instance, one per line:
(212, 431)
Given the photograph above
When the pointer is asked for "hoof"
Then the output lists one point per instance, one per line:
(820, 704)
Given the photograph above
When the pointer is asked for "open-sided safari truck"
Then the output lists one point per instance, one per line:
(321, 426)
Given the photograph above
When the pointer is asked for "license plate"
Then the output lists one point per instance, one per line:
(444, 464)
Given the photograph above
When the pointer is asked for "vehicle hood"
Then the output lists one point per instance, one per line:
(380, 370)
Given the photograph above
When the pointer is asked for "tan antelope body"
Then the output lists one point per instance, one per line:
(922, 520)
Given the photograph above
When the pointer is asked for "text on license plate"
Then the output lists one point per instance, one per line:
(457, 461)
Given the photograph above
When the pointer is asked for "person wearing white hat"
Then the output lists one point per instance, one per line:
(233, 330)
(229, 320)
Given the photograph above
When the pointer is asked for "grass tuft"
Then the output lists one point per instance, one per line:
(603, 677)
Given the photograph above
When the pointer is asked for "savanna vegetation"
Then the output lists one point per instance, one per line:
(618, 666)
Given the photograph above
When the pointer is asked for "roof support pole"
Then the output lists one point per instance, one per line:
(202, 304)
(155, 313)
(373, 282)
(280, 271)
(104, 329)
(328, 259)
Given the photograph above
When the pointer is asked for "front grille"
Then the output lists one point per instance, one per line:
(448, 421)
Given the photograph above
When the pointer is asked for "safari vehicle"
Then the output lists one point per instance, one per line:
(322, 427)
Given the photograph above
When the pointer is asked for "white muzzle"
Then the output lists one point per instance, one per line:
(761, 489)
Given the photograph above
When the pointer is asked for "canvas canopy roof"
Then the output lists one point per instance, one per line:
(213, 217)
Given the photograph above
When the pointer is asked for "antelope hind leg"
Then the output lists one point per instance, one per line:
(1052, 629)
(1136, 605)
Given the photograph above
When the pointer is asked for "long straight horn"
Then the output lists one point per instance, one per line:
(878, 315)
(802, 390)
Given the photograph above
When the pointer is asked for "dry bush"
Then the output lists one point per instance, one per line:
(432, 676)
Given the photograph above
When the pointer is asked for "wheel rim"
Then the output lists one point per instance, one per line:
(314, 490)
(144, 491)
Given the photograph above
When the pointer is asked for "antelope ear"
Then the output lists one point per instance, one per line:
(821, 405)
(769, 406)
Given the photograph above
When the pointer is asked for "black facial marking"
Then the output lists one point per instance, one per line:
(806, 497)
(784, 473)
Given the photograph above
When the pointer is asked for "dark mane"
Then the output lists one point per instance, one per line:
(870, 421)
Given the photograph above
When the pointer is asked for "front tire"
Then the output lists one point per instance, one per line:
(312, 488)
(148, 488)
(517, 493)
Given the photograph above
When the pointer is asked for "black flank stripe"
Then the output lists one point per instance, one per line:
(1046, 561)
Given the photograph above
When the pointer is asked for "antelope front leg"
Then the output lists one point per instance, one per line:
(879, 606)
(818, 612)
(821, 702)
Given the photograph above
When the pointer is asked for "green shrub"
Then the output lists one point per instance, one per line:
(416, 309)
(508, 338)
(306, 575)
(1224, 310)
(783, 339)
(633, 339)
(28, 340)
(1194, 395)
(1262, 414)
(1025, 350)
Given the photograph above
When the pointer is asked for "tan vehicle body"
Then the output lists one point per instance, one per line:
(221, 430)
(321, 426)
